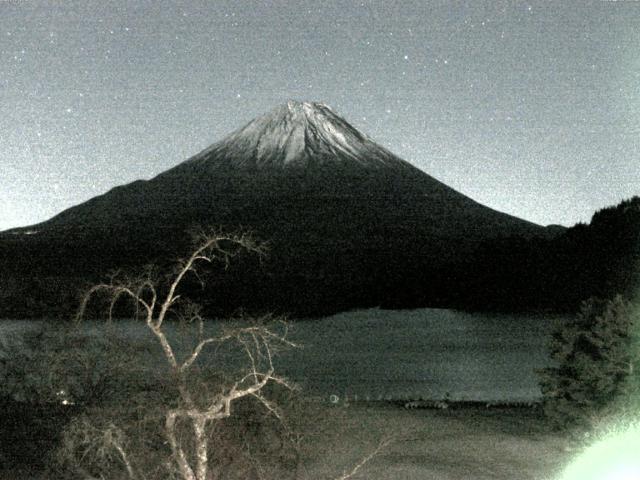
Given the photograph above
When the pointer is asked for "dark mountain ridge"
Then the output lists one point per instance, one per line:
(349, 223)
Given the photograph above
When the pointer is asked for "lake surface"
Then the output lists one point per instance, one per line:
(407, 355)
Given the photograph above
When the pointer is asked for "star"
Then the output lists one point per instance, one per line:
(160, 55)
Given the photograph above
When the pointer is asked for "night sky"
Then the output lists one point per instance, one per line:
(532, 108)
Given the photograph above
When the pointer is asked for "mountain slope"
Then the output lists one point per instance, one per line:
(350, 223)
(298, 150)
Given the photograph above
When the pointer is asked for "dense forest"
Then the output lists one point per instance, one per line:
(599, 259)
(552, 273)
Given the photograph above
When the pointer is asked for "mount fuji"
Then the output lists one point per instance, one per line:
(302, 151)
(350, 224)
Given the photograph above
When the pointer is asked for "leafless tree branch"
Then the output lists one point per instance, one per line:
(156, 300)
(211, 246)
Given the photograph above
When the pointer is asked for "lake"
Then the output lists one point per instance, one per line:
(426, 354)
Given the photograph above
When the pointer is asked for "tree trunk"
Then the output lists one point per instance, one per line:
(186, 472)
(199, 424)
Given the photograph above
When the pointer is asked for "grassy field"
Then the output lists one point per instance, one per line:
(450, 444)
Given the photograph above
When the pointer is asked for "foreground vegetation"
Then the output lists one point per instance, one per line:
(596, 360)
(452, 444)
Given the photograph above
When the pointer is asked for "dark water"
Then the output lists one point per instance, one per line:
(409, 354)
(425, 353)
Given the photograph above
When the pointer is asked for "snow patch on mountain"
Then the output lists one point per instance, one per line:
(298, 134)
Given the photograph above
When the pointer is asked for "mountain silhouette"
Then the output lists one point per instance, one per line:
(300, 151)
(349, 223)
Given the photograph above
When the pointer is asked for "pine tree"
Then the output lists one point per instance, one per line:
(593, 361)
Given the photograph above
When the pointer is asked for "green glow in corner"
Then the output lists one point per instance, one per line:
(615, 457)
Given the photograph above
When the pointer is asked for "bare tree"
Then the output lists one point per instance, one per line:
(190, 422)
(257, 341)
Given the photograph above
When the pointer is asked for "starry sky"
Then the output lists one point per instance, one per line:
(531, 108)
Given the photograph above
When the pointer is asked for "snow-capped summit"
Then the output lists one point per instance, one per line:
(298, 134)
